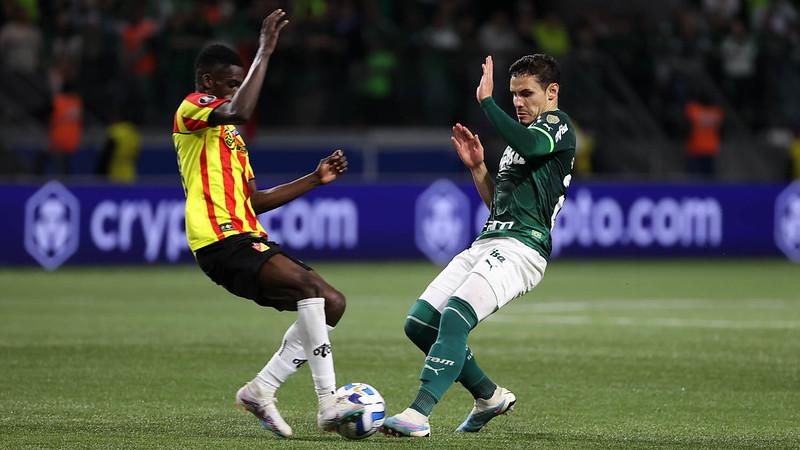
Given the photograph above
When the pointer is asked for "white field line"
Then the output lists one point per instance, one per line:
(648, 322)
(639, 304)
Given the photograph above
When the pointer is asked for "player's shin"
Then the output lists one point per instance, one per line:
(422, 328)
(474, 379)
(316, 344)
(446, 358)
(289, 357)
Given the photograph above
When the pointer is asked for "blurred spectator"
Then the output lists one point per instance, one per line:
(138, 35)
(552, 36)
(498, 35)
(703, 144)
(67, 46)
(20, 41)
(120, 154)
(739, 53)
(100, 63)
(378, 86)
(184, 35)
(66, 130)
(21, 75)
(723, 9)
(442, 35)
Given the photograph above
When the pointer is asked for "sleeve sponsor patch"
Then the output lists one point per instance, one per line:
(206, 99)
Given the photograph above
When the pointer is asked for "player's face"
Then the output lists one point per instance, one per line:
(530, 99)
(224, 81)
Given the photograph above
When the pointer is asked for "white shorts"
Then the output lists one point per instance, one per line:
(488, 275)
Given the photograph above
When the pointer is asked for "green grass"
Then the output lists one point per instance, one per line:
(644, 354)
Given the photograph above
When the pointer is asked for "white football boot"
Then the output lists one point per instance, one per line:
(501, 402)
(409, 423)
(334, 410)
(262, 405)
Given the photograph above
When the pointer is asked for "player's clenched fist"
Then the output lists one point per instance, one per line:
(270, 31)
(331, 167)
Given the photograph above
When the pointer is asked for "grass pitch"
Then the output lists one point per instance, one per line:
(679, 354)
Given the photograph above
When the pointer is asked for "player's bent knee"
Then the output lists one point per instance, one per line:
(422, 325)
(335, 304)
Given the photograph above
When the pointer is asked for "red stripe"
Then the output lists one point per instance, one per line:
(207, 193)
(194, 124)
(230, 186)
(248, 208)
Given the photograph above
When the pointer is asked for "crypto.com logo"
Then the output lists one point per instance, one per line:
(442, 221)
(787, 221)
(52, 227)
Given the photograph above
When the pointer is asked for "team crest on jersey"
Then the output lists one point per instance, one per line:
(206, 99)
(233, 140)
(509, 158)
(259, 247)
(552, 118)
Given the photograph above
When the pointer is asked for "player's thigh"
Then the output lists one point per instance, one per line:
(448, 280)
(284, 281)
(234, 263)
(505, 270)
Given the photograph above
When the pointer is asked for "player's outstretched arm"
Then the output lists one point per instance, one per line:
(525, 141)
(470, 150)
(328, 170)
(241, 106)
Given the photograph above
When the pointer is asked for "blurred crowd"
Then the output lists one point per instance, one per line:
(391, 62)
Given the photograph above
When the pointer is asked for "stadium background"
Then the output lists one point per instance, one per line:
(675, 242)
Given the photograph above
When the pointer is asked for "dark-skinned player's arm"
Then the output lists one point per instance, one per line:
(329, 169)
(530, 142)
(470, 151)
(241, 106)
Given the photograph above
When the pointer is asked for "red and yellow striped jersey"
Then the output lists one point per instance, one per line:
(215, 170)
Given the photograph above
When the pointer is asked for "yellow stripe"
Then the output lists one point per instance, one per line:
(194, 112)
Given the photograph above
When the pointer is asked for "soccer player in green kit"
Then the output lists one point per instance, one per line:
(509, 256)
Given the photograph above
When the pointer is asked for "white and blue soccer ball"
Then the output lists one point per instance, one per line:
(374, 411)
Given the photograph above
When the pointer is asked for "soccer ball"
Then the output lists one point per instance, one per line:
(374, 411)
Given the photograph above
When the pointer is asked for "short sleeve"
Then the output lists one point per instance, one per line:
(193, 113)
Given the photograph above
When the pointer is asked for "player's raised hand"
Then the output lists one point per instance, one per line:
(270, 31)
(332, 167)
(468, 146)
(486, 86)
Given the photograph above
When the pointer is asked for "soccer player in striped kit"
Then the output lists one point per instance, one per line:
(229, 243)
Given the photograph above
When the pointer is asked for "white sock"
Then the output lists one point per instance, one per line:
(289, 357)
(317, 346)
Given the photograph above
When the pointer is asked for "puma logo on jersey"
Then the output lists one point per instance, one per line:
(435, 371)
(510, 157)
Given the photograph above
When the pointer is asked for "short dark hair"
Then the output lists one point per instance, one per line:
(216, 54)
(543, 67)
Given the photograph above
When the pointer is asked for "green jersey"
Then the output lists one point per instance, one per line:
(532, 181)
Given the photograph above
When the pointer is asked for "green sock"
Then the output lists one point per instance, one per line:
(447, 355)
(473, 378)
(422, 328)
